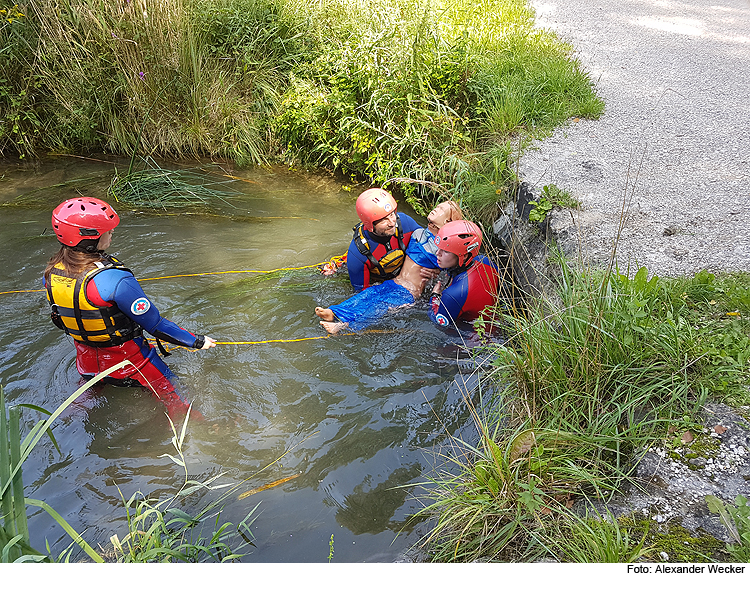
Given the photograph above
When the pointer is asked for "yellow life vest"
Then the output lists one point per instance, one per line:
(389, 265)
(77, 316)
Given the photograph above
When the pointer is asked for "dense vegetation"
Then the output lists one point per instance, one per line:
(433, 90)
(589, 379)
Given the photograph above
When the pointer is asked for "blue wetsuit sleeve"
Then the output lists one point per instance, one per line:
(359, 273)
(446, 309)
(124, 290)
(408, 224)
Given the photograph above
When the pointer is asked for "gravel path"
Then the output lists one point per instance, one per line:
(674, 139)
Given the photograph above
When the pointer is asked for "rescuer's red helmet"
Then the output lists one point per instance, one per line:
(373, 205)
(461, 237)
(83, 218)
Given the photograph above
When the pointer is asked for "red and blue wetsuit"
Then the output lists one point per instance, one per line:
(365, 270)
(467, 294)
(112, 291)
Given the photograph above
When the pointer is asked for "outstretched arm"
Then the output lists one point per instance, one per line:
(122, 289)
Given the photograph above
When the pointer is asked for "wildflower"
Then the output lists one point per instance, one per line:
(142, 75)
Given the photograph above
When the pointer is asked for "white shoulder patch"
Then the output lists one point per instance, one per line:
(140, 306)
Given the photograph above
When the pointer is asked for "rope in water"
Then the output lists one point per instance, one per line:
(170, 348)
(334, 262)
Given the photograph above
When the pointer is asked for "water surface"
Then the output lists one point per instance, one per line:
(355, 419)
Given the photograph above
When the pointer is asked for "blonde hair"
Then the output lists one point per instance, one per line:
(456, 213)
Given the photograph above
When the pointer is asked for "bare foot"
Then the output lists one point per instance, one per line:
(333, 327)
(325, 313)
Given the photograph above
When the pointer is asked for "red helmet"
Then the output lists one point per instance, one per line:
(461, 237)
(83, 218)
(373, 205)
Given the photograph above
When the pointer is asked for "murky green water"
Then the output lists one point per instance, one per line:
(355, 417)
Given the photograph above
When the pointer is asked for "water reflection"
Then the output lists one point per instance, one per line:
(355, 417)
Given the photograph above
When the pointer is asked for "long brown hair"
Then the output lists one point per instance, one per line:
(74, 262)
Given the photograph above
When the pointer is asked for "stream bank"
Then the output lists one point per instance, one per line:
(661, 180)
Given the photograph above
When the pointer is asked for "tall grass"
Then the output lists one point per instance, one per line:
(595, 538)
(587, 380)
(202, 76)
(426, 90)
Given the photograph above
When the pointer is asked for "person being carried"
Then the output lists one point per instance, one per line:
(420, 265)
(96, 300)
(377, 250)
(473, 280)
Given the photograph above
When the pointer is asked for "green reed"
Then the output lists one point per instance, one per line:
(14, 533)
(158, 532)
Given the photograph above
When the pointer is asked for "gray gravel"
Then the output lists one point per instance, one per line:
(671, 488)
(673, 143)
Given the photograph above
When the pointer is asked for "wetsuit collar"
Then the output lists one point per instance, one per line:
(453, 271)
(378, 238)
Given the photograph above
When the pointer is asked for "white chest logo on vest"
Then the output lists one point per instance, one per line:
(140, 306)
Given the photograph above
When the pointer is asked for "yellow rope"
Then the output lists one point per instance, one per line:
(230, 272)
(272, 341)
(22, 291)
(343, 334)
(332, 261)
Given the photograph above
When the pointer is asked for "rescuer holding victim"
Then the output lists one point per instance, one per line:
(378, 247)
(473, 280)
(97, 300)
(369, 305)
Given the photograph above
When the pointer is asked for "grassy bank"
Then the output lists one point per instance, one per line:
(421, 90)
(587, 381)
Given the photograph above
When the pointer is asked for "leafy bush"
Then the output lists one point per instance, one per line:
(428, 93)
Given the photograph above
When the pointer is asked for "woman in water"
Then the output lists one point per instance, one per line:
(99, 302)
